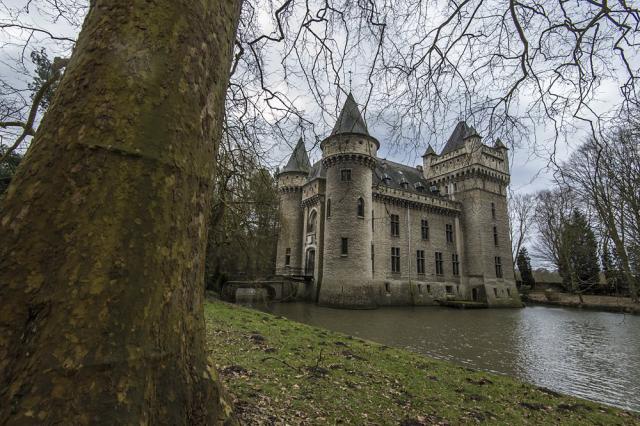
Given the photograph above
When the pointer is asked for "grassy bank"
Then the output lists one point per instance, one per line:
(280, 371)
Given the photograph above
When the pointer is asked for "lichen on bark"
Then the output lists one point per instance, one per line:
(103, 230)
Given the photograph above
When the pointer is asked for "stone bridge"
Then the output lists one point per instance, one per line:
(280, 290)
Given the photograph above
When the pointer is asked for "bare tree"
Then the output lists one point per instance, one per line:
(605, 173)
(521, 219)
(552, 213)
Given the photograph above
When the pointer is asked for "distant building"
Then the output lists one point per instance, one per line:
(365, 231)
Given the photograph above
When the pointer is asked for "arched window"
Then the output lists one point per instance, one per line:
(329, 207)
(311, 222)
(360, 207)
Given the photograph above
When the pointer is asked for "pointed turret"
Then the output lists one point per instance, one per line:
(499, 145)
(350, 119)
(299, 160)
(460, 134)
(429, 152)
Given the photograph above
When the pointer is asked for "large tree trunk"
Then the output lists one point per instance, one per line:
(103, 230)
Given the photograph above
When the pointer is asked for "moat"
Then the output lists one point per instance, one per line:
(593, 355)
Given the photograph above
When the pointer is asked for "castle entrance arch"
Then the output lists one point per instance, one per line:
(310, 262)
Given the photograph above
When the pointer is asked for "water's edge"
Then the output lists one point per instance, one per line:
(577, 352)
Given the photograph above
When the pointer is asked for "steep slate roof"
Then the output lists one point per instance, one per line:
(456, 140)
(350, 119)
(299, 160)
(317, 171)
(429, 151)
(396, 174)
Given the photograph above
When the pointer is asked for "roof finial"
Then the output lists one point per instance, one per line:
(350, 75)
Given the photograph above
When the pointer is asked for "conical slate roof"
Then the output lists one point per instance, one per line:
(456, 140)
(350, 119)
(299, 160)
(429, 151)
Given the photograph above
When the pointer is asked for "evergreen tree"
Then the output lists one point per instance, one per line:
(580, 268)
(524, 266)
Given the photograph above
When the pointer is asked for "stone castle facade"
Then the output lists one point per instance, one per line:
(359, 231)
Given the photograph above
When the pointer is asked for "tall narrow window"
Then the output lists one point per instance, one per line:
(360, 207)
(449, 231)
(395, 225)
(455, 264)
(345, 247)
(311, 222)
(495, 235)
(372, 222)
(439, 265)
(498, 267)
(345, 175)
(493, 210)
(420, 261)
(425, 229)
(373, 258)
(287, 257)
(395, 259)
(329, 207)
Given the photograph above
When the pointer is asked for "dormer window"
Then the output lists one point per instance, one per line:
(386, 179)
(404, 184)
(419, 186)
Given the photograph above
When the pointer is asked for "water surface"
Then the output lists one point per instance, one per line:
(593, 355)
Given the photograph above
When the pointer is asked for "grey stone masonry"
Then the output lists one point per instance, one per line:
(367, 232)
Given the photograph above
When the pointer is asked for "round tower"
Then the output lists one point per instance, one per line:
(348, 156)
(289, 260)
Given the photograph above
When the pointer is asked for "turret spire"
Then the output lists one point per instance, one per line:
(299, 160)
(429, 151)
(350, 119)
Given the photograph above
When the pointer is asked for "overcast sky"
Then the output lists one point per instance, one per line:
(529, 161)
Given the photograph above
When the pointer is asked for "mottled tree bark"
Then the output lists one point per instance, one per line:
(103, 230)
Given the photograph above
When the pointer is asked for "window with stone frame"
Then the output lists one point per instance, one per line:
(420, 262)
(344, 248)
(395, 225)
(493, 210)
(449, 232)
(439, 264)
(287, 257)
(345, 175)
(329, 207)
(498, 262)
(395, 259)
(495, 236)
(360, 207)
(312, 221)
(455, 264)
(424, 225)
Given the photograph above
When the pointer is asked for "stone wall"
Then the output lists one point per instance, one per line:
(346, 279)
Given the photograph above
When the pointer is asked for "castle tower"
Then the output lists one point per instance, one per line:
(349, 156)
(477, 176)
(289, 259)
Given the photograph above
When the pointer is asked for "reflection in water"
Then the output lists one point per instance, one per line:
(594, 355)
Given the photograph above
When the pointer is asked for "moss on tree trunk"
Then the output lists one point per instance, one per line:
(103, 229)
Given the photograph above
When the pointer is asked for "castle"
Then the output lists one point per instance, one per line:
(361, 232)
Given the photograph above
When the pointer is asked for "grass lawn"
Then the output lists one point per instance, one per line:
(280, 371)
